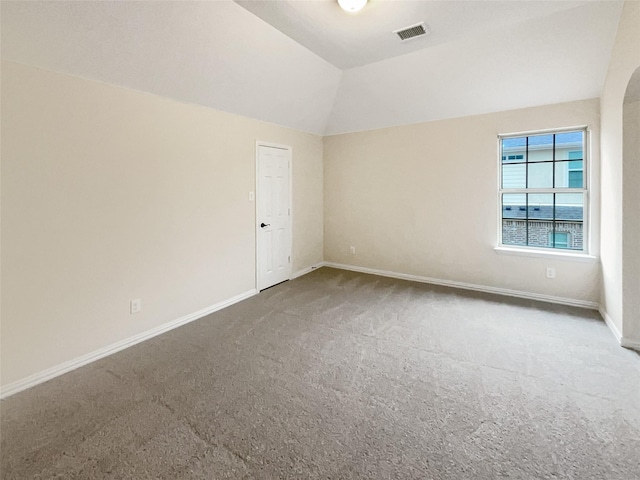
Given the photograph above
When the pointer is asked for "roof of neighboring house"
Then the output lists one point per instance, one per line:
(542, 212)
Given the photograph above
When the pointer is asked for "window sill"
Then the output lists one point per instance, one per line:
(539, 253)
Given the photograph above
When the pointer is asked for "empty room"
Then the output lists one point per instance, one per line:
(261, 239)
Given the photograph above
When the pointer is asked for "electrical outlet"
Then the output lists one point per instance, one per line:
(352, 249)
(251, 196)
(136, 306)
(551, 272)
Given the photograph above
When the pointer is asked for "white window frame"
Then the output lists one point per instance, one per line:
(545, 252)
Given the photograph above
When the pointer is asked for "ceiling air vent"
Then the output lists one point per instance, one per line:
(412, 31)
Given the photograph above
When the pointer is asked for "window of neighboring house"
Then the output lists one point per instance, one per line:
(512, 157)
(543, 192)
(559, 239)
(575, 169)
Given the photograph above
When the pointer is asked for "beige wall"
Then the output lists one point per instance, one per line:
(422, 200)
(631, 233)
(625, 59)
(110, 194)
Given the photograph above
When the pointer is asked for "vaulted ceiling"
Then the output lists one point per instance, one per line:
(310, 66)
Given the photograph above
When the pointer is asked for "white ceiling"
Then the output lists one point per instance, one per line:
(353, 40)
(310, 66)
(558, 58)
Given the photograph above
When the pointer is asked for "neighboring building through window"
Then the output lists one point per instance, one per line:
(543, 190)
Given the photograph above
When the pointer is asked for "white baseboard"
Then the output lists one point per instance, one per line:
(624, 342)
(65, 367)
(611, 325)
(468, 286)
(304, 271)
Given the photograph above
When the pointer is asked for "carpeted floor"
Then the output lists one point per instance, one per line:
(343, 375)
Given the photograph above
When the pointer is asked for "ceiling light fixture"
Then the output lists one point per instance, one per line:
(352, 6)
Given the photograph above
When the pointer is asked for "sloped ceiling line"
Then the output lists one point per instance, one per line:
(311, 67)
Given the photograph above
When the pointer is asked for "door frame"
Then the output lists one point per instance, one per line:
(281, 146)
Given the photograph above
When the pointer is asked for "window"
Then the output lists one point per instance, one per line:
(543, 194)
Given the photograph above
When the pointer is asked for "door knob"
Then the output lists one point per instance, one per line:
(265, 224)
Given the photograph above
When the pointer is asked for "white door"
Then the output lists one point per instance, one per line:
(273, 216)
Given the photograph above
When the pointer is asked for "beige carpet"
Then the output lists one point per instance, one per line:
(342, 375)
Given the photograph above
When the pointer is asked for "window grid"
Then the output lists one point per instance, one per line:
(553, 170)
(554, 190)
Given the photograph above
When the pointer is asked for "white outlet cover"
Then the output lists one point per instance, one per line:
(136, 306)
